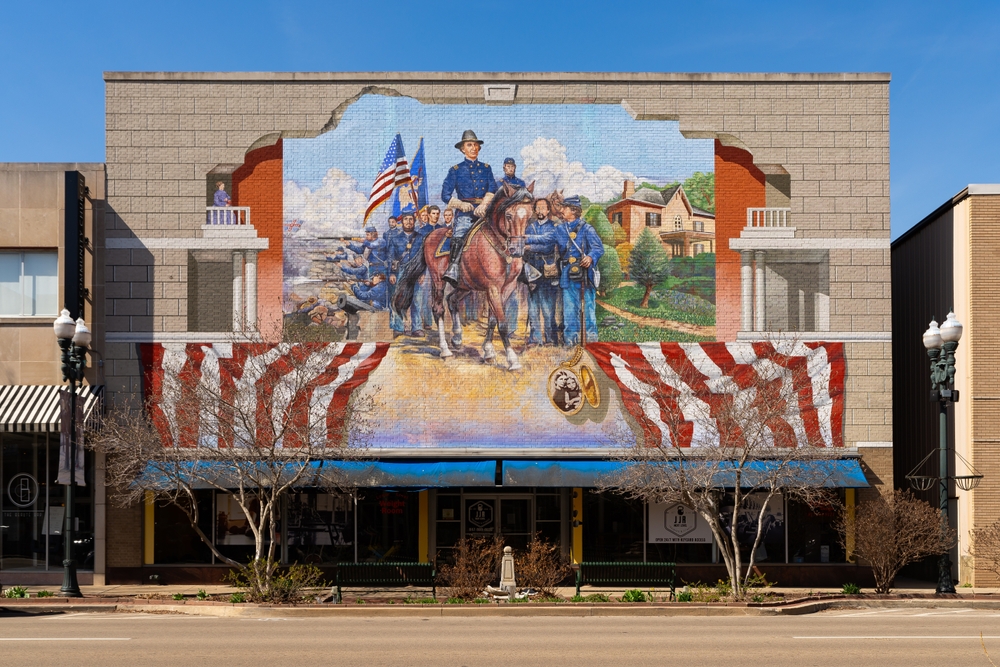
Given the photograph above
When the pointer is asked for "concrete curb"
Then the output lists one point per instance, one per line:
(580, 610)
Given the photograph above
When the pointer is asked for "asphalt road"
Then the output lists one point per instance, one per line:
(884, 638)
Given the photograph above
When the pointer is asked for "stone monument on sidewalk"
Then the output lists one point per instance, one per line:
(507, 582)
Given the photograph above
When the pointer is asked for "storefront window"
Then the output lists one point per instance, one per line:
(388, 526)
(176, 542)
(612, 527)
(814, 538)
(320, 528)
(32, 505)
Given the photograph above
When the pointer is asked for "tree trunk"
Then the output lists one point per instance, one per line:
(645, 297)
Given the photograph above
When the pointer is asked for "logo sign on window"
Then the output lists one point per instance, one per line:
(22, 490)
(481, 516)
(677, 524)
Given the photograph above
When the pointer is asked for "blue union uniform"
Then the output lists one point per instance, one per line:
(576, 240)
(511, 180)
(540, 238)
(402, 248)
(377, 254)
(374, 295)
(469, 180)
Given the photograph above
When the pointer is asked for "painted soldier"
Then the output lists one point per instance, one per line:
(374, 292)
(402, 248)
(539, 252)
(376, 250)
(510, 175)
(579, 250)
(468, 188)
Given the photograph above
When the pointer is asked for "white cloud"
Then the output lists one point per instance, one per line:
(544, 161)
(335, 208)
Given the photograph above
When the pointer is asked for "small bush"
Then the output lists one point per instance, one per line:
(16, 592)
(850, 589)
(46, 594)
(455, 600)
(202, 595)
(593, 597)
(237, 598)
(685, 596)
(267, 581)
(477, 562)
(541, 567)
(178, 596)
(634, 595)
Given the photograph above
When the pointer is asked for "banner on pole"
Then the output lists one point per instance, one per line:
(68, 468)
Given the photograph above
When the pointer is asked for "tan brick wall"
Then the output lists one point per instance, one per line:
(124, 536)
(984, 346)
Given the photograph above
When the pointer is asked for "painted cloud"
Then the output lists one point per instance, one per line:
(544, 161)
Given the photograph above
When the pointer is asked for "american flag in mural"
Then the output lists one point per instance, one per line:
(394, 172)
(307, 384)
(672, 390)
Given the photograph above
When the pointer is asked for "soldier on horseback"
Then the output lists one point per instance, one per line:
(468, 189)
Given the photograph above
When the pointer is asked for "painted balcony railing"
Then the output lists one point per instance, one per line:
(227, 215)
(767, 217)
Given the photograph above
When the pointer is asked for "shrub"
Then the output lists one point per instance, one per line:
(685, 596)
(237, 598)
(202, 595)
(477, 562)
(541, 567)
(265, 581)
(593, 597)
(16, 592)
(634, 595)
(46, 594)
(178, 596)
(850, 589)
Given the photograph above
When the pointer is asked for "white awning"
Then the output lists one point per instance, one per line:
(35, 408)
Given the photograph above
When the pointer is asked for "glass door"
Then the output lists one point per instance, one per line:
(511, 517)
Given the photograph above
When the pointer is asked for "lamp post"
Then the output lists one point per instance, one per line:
(941, 344)
(74, 339)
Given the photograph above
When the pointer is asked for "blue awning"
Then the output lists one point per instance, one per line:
(362, 474)
(839, 473)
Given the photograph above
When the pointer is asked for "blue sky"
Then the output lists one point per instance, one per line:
(944, 58)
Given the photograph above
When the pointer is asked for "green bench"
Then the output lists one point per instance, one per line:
(627, 574)
(386, 574)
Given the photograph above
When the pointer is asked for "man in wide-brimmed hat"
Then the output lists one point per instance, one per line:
(469, 189)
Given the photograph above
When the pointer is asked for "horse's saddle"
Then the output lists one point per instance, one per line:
(444, 248)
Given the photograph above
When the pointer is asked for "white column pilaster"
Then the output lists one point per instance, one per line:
(746, 291)
(760, 295)
(237, 291)
(250, 288)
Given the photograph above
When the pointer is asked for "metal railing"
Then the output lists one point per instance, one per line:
(767, 217)
(227, 215)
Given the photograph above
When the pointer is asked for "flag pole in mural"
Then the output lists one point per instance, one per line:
(394, 172)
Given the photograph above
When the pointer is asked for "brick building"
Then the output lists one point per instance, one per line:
(685, 230)
(942, 264)
(801, 243)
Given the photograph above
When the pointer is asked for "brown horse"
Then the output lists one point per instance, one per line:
(491, 263)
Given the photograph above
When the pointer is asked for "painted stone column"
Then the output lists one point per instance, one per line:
(237, 291)
(759, 292)
(250, 287)
(746, 290)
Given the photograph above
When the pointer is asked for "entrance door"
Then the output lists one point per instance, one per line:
(508, 516)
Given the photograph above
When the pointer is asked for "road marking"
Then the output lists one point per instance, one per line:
(899, 637)
(870, 613)
(942, 613)
(65, 639)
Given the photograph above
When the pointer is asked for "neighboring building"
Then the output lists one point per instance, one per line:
(946, 263)
(193, 282)
(41, 245)
(686, 231)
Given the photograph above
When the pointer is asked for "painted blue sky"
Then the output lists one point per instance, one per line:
(594, 135)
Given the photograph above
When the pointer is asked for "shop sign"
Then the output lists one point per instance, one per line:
(390, 505)
(480, 514)
(675, 523)
(22, 490)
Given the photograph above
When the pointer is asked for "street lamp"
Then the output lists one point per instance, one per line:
(941, 343)
(74, 339)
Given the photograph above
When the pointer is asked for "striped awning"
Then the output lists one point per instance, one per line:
(35, 408)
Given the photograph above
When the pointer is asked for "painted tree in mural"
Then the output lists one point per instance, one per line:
(727, 434)
(648, 264)
(700, 190)
(251, 421)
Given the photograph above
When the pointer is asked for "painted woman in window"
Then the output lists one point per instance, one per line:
(222, 199)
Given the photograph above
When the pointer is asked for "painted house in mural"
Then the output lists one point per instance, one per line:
(252, 241)
(686, 231)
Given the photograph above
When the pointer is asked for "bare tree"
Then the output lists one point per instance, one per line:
(725, 443)
(256, 421)
(894, 530)
(985, 548)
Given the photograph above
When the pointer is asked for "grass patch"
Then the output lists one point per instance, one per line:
(237, 598)
(630, 296)
(593, 597)
(630, 332)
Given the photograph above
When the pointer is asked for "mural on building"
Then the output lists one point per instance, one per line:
(520, 267)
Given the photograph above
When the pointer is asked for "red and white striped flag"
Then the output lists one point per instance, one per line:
(394, 172)
(279, 383)
(671, 390)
